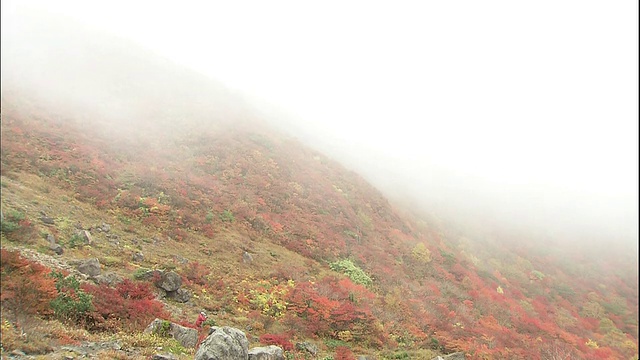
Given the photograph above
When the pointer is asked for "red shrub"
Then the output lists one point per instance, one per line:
(344, 353)
(196, 273)
(26, 288)
(281, 340)
(130, 305)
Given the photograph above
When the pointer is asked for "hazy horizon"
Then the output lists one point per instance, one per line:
(523, 114)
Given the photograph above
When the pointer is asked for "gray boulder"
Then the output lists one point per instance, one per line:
(169, 281)
(270, 352)
(138, 256)
(224, 343)
(90, 267)
(47, 220)
(109, 278)
(180, 295)
(56, 248)
(187, 337)
(308, 347)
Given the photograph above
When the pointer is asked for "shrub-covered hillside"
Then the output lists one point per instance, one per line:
(266, 234)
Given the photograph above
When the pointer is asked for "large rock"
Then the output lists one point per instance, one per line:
(90, 267)
(270, 352)
(109, 278)
(56, 248)
(169, 281)
(224, 343)
(187, 337)
(180, 295)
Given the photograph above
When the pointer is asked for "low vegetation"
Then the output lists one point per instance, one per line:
(331, 262)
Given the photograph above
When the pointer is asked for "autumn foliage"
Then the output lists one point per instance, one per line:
(418, 284)
(26, 287)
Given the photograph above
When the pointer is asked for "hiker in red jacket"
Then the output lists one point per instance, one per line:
(201, 318)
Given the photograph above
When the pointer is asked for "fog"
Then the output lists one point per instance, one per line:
(494, 113)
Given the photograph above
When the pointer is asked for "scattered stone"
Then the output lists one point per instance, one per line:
(47, 220)
(180, 259)
(270, 352)
(164, 357)
(453, 356)
(105, 227)
(138, 256)
(90, 267)
(247, 258)
(187, 337)
(223, 343)
(51, 239)
(308, 347)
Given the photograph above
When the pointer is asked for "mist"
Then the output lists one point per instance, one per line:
(498, 115)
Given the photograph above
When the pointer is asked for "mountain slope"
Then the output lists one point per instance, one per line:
(191, 176)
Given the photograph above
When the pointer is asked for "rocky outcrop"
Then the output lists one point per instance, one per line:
(224, 343)
(187, 337)
(270, 352)
(56, 248)
(90, 267)
(169, 281)
(180, 295)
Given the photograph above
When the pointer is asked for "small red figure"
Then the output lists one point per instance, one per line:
(201, 318)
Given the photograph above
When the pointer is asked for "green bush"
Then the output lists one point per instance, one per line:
(332, 344)
(140, 273)
(75, 241)
(209, 322)
(11, 222)
(163, 329)
(348, 268)
(72, 303)
(227, 216)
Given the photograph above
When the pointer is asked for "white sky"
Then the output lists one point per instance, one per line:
(514, 93)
